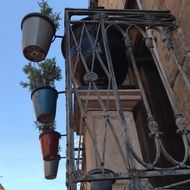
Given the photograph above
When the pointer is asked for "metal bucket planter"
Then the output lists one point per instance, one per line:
(116, 47)
(37, 34)
(51, 168)
(103, 184)
(45, 102)
(49, 144)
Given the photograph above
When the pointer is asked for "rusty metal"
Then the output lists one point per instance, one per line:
(124, 21)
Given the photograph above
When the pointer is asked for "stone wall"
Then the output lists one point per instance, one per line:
(110, 4)
(180, 36)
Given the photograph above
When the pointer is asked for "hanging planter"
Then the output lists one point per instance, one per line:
(102, 184)
(37, 34)
(49, 144)
(51, 168)
(44, 102)
(38, 30)
(41, 82)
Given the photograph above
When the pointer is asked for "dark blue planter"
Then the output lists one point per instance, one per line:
(45, 101)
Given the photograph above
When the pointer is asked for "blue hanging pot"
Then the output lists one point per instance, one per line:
(44, 102)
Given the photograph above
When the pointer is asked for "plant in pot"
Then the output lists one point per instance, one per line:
(38, 30)
(49, 139)
(41, 82)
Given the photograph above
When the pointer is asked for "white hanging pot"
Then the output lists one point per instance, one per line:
(38, 31)
(51, 168)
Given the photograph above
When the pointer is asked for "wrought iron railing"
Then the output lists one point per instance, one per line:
(86, 32)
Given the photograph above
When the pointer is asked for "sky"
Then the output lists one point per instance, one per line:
(21, 163)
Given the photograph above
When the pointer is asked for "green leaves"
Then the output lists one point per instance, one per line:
(45, 127)
(41, 74)
(48, 11)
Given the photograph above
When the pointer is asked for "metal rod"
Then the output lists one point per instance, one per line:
(70, 136)
(153, 126)
(123, 123)
(64, 135)
(173, 185)
(138, 173)
(80, 138)
(62, 92)
(104, 143)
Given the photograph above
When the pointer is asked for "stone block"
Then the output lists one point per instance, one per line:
(165, 59)
(112, 4)
(186, 65)
(182, 95)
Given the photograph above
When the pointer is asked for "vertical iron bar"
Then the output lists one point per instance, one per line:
(179, 120)
(124, 127)
(79, 145)
(165, 82)
(69, 123)
(152, 124)
(104, 143)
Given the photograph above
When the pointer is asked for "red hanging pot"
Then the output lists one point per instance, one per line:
(49, 144)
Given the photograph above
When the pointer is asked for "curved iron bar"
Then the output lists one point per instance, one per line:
(154, 128)
(169, 44)
(149, 165)
(167, 155)
(178, 117)
(120, 29)
(152, 124)
(187, 148)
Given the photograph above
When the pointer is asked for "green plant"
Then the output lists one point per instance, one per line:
(48, 11)
(43, 74)
(45, 127)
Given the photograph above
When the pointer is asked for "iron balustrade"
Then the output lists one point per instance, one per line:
(101, 21)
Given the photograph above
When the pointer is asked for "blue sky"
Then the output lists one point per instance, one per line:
(21, 163)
